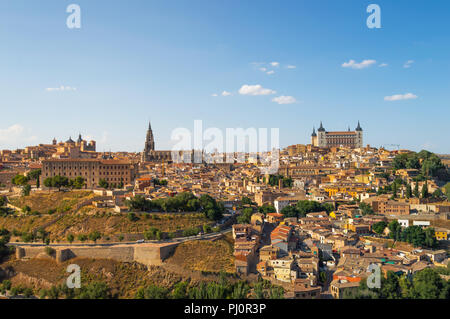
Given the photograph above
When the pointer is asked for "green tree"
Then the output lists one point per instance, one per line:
(35, 174)
(394, 230)
(408, 191)
(152, 292)
(4, 240)
(103, 183)
(427, 284)
(425, 193)
(379, 227)
(59, 182)
(289, 211)
(447, 190)
(180, 290)
(26, 189)
(266, 209)
(246, 201)
(96, 290)
(70, 238)
(20, 180)
(245, 216)
(416, 190)
(94, 236)
(366, 209)
(78, 183)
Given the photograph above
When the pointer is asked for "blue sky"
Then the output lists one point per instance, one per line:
(132, 61)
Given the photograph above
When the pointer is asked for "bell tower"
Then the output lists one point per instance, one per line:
(149, 143)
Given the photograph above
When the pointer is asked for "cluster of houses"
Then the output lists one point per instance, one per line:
(321, 255)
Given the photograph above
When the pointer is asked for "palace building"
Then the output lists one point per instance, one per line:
(351, 139)
(92, 170)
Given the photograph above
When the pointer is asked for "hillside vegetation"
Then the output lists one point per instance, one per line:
(205, 256)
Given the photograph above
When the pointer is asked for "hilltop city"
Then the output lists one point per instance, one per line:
(141, 225)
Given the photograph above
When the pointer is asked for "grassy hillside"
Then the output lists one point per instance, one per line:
(44, 201)
(206, 256)
(124, 279)
(89, 218)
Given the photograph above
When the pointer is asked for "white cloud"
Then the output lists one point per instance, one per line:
(291, 67)
(225, 93)
(61, 88)
(270, 72)
(214, 95)
(284, 100)
(255, 90)
(400, 97)
(354, 65)
(263, 69)
(408, 64)
(11, 132)
(275, 64)
(382, 65)
(14, 137)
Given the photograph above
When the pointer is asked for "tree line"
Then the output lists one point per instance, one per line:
(425, 284)
(429, 164)
(304, 207)
(183, 202)
(222, 289)
(414, 235)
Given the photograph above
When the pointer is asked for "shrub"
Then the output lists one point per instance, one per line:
(49, 251)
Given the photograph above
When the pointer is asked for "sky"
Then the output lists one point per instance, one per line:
(236, 63)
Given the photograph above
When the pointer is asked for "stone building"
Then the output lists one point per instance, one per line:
(92, 170)
(351, 139)
(149, 153)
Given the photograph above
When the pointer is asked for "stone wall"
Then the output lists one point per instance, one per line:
(147, 254)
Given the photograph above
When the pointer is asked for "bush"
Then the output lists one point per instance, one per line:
(70, 238)
(132, 217)
(82, 238)
(49, 251)
(27, 237)
(207, 229)
(94, 236)
(190, 232)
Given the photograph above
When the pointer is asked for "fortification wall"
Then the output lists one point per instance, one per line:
(146, 254)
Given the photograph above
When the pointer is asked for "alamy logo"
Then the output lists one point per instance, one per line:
(237, 145)
(74, 280)
(374, 20)
(74, 19)
(374, 279)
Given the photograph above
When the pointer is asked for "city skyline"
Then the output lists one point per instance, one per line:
(262, 65)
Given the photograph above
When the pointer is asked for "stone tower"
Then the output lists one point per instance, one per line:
(314, 137)
(321, 136)
(359, 136)
(149, 144)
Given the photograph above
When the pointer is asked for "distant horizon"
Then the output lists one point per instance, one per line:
(231, 64)
(387, 146)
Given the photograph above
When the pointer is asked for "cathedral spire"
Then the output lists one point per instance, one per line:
(359, 127)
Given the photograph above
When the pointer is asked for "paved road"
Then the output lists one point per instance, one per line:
(168, 241)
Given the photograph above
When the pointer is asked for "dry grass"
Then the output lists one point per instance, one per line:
(44, 201)
(113, 224)
(124, 279)
(206, 256)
